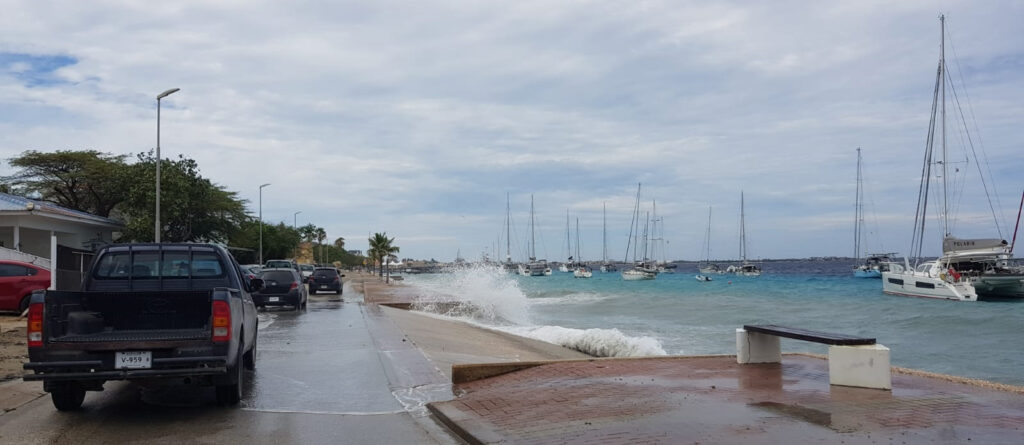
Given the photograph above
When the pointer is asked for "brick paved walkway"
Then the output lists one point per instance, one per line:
(715, 400)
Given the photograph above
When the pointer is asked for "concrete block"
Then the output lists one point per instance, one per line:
(755, 347)
(862, 366)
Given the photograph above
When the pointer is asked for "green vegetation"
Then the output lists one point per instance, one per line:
(381, 250)
(192, 208)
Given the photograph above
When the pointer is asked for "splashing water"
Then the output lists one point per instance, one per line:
(493, 296)
(596, 342)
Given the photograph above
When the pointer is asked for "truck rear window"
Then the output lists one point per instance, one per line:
(150, 265)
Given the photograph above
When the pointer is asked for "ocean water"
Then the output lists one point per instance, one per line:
(677, 315)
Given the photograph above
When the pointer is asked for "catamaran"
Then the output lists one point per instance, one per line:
(969, 269)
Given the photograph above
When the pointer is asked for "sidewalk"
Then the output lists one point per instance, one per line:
(714, 400)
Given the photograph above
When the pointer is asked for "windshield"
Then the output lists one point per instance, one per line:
(306, 267)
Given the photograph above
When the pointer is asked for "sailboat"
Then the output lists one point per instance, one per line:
(606, 266)
(641, 270)
(567, 266)
(658, 243)
(969, 269)
(875, 263)
(707, 267)
(534, 268)
(581, 270)
(746, 268)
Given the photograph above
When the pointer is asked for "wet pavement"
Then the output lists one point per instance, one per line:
(715, 400)
(330, 374)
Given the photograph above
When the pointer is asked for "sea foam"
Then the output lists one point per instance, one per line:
(597, 342)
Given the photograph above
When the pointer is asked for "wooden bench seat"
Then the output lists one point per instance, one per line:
(811, 336)
(852, 361)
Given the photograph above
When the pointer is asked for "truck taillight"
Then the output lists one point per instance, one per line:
(221, 321)
(35, 325)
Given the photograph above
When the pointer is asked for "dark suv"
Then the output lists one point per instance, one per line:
(281, 287)
(325, 279)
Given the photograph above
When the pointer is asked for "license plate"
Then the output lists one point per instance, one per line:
(133, 360)
(323, 286)
(274, 299)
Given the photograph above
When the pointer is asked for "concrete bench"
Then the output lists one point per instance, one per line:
(852, 361)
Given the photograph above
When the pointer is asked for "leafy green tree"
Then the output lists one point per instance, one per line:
(193, 208)
(339, 243)
(89, 181)
(279, 240)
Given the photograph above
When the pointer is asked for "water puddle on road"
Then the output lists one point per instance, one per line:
(415, 399)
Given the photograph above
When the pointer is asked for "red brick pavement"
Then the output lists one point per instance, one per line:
(715, 400)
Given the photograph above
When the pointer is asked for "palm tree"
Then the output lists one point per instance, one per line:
(321, 234)
(382, 247)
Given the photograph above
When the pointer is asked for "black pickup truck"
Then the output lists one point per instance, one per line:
(150, 313)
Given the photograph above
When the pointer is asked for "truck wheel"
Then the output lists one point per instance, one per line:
(231, 393)
(23, 306)
(249, 358)
(68, 396)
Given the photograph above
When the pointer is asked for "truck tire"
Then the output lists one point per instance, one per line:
(249, 358)
(231, 393)
(67, 396)
(23, 306)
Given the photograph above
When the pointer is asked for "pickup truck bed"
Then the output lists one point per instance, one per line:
(199, 329)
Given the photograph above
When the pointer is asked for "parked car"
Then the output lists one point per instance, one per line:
(307, 270)
(251, 270)
(282, 287)
(147, 312)
(17, 281)
(325, 279)
(283, 264)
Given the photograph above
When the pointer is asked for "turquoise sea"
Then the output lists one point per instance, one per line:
(678, 315)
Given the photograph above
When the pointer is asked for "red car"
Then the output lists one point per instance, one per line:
(17, 281)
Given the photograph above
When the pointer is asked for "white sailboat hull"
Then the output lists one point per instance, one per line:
(636, 275)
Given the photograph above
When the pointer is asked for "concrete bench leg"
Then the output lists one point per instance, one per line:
(755, 347)
(863, 366)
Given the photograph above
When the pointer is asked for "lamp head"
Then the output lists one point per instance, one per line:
(167, 93)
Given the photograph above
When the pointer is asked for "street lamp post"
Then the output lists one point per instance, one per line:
(261, 221)
(156, 224)
(295, 219)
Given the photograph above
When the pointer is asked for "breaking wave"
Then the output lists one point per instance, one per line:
(490, 297)
(596, 342)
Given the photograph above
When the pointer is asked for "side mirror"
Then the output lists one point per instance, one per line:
(255, 284)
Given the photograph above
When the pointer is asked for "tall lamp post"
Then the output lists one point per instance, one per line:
(156, 224)
(295, 219)
(261, 221)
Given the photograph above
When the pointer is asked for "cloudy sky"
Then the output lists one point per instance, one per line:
(417, 118)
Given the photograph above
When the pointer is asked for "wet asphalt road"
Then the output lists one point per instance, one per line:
(321, 377)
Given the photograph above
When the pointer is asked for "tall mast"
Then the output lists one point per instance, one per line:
(647, 221)
(508, 230)
(533, 253)
(707, 238)
(945, 170)
(858, 218)
(743, 232)
(604, 232)
(568, 242)
(578, 241)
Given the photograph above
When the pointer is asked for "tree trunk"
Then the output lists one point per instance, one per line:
(386, 263)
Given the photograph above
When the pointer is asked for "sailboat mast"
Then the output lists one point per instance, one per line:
(858, 218)
(533, 247)
(707, 238)
(568, 242)
(647, 221)
(945, 170)
(578, 240)
(508, 230)
(604, 232)
(743, 232)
